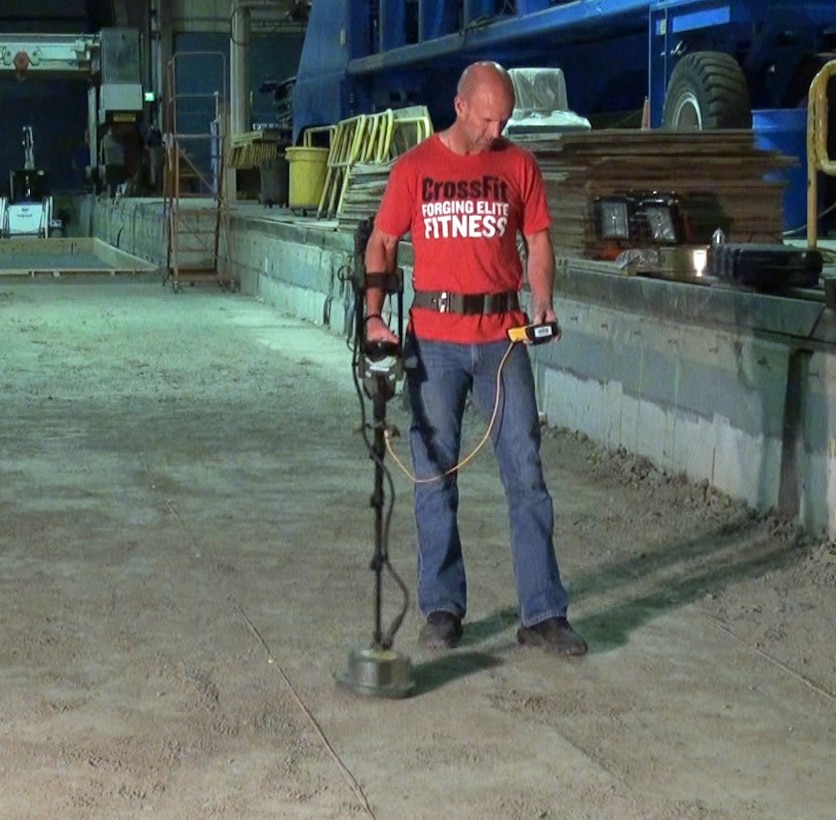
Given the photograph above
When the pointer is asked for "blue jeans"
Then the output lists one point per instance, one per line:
(439, 375)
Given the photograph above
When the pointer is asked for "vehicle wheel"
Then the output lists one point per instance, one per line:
(707, 90)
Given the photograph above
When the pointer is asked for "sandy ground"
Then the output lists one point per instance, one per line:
(185, 535)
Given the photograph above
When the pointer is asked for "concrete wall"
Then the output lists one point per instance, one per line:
(301, 269)
(733, 388)
(728, 386)
(710, 404)
(137, 226)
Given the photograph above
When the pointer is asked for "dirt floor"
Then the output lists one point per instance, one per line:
(185, 536)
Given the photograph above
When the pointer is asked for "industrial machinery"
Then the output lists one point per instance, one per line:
(28, 209)
(698, 63)
(111, 62)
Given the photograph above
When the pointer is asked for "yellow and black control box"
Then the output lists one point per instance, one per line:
(535, 334)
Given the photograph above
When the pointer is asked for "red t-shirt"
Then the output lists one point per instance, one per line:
(464, 213)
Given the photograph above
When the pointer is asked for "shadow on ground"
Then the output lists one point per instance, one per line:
(437, 672)
(674, 575)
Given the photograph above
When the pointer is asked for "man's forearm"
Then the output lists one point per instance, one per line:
(381, 257)
(375, 298)
(541, 283)
(541, 274)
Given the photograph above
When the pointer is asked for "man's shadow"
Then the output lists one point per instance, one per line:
(664, 578)
(443, 669)
(673, 575)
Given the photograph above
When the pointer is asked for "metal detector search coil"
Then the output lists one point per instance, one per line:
(535, 334)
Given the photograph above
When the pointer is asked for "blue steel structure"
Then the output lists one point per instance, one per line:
(360, 56)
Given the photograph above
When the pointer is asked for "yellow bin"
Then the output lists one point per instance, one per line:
(308, 167)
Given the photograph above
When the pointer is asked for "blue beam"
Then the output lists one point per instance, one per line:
(717, 15)
(783, 12)
(583, 17)
(578, 20)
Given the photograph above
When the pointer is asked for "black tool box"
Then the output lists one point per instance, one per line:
(764, 266)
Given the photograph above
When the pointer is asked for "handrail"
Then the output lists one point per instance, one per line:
(818, 158)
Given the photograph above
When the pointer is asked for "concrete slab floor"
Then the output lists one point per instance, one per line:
(185, 535)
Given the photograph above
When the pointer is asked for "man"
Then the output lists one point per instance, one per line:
(464, 194)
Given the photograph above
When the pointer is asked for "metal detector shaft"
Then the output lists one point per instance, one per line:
(378, 670)
(379, 557)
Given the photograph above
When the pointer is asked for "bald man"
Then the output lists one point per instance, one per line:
(464, 195)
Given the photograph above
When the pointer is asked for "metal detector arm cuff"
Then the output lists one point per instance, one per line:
(372, 287)
(384, 284)
(389, 283)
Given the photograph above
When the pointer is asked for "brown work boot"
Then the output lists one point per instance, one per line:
(443, 630)
(554, 635)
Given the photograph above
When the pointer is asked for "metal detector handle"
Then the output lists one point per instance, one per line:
(362, 233)
(361, 238)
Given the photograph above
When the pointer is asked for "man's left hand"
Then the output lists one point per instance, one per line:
(543, 314)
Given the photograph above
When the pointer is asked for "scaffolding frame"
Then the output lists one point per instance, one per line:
(196, 209)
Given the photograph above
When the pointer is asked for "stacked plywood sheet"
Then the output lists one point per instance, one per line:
(251, 149)
(367, 182)
(719, 176)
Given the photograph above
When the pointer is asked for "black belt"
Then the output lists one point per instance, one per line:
(468, 304)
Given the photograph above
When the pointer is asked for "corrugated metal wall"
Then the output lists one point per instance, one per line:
(271, 57)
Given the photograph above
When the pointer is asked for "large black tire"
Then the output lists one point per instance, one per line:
(707, 90)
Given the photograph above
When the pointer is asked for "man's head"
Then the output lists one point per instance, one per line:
(484, 104)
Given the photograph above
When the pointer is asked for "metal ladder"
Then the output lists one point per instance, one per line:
(196, 211)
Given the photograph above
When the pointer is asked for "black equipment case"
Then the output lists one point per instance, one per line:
(765, 266)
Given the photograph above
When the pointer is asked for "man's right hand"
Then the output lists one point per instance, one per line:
(378, 331)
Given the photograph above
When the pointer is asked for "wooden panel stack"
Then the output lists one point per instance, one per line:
(367, 182)
(718, 176)
(251, 149)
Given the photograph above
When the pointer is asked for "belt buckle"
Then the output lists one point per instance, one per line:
(443, 302)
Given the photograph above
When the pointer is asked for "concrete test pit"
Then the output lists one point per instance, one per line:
(58, 256)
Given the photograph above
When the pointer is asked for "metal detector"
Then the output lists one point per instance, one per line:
(377, 367)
